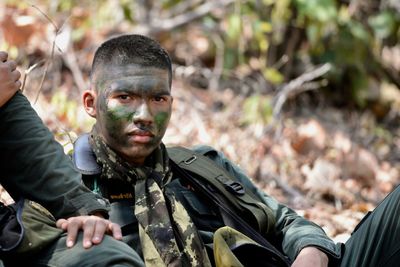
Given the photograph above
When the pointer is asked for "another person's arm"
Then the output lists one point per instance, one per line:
(33, 165)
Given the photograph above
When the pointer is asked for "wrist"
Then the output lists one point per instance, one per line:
(315, 253)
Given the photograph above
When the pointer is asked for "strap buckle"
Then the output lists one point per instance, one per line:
(234, 187)
(190, 160)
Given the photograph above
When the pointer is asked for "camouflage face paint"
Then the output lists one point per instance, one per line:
(133, 109)
(162, 119)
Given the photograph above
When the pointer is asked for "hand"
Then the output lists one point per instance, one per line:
(311, 257)
(94, 228)
(9, 78)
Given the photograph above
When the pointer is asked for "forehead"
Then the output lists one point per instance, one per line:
(130, 73)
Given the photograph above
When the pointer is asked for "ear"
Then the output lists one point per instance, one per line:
(89, 102)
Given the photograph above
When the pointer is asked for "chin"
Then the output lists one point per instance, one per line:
(138, 153)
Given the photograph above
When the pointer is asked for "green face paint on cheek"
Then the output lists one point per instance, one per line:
(161, 119)
(116, 120)
(120, 113)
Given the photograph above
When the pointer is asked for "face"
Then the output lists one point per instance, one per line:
(132, 107)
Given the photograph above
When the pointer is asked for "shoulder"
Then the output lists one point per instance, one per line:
(180, 152)
(205, 150)
(219, 159)
(84, 158)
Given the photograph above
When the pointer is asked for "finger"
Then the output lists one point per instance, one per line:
(100, 229)
(12, 65)
(116, 231)
(72, 232)
(88, 232)
(62, 224)
(16, 74)
(18, 84)
(3, 56)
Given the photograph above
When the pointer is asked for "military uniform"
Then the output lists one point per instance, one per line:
(31, 160)
(291, 234)
(374, 242)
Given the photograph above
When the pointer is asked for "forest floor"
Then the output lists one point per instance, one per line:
(331, 165)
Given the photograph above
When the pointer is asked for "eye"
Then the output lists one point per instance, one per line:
(159, 99)
(123, 97)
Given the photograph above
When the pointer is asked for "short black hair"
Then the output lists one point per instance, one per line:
(132, 49)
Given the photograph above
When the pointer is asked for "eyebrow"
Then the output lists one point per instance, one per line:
(124, 89)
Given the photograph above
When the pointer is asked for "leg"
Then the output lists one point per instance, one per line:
(109, 253)
(376, 241)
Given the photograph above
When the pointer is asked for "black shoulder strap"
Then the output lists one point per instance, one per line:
(278, 259)
(236, 194)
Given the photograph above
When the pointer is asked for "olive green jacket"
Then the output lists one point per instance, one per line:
(33, 165)
(292, 232)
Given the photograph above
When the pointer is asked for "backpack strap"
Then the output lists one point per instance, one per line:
(232, 190)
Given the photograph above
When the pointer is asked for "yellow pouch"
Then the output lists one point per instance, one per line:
(234, 249)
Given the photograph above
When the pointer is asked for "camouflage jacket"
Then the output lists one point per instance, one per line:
(293, 232)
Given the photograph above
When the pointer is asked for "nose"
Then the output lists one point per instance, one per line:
(143, 114)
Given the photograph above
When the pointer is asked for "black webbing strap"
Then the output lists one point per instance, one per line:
(238, 223)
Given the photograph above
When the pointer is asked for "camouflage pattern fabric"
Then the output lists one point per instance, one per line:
(167, 234)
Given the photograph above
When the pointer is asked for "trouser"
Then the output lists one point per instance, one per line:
(109, 252)
(376, 240)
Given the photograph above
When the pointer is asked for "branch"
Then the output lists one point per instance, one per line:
(182, 7)
(219, 62)
(57, 30)
(27, 72)
(48, 62)
(297, 86)
(164, 25)
(47, 17)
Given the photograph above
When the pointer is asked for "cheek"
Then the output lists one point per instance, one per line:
(162, 119)
(120, 113)
(116, 118)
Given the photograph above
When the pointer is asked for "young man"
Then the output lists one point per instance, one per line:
(130, 98)
(34, 166)
(164, 217)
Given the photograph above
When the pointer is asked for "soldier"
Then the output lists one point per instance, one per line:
(169, 222)
(166, 213)
(34, 166)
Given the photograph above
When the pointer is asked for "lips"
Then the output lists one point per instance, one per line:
(140, 136)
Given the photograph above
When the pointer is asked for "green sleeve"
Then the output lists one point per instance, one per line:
(33, 165)
(295, 231)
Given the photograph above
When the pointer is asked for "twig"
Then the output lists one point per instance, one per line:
(183, 7)
(296, 87)
(48, 62)
(180, 20)
(47, 17)
(27, 72)
(219, 62)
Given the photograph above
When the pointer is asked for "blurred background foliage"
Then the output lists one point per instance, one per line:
(253, 47)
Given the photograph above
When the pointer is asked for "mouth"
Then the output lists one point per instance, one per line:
(140, 136)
